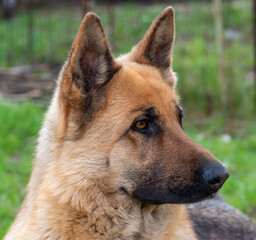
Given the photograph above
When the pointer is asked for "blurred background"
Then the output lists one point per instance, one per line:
(214, 57)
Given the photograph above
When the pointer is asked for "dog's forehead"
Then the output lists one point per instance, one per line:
(138, 84)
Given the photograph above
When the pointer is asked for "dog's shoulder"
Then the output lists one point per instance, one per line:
(215, 219)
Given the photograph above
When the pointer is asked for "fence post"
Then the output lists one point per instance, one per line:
(111, 24)
(84, 6)
(220, 47)
(30, 30)
(254, 35)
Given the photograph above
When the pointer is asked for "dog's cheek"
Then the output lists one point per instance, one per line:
(150, 183)
(122, 159)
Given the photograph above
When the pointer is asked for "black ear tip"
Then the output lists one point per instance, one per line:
(91, 17)
(168, 11)
(91, 21)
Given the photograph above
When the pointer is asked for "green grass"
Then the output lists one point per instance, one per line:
(20, 123)
(19, 126)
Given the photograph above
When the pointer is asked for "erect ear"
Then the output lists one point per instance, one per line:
(156, 46)
(89, 67)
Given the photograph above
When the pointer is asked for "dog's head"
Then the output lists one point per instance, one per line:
(119, 121)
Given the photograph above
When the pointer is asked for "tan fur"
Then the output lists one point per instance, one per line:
(86, 152)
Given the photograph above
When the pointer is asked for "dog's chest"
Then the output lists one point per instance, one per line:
(133, 225)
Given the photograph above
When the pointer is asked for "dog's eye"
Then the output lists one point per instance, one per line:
(147, 127)
(141, 125)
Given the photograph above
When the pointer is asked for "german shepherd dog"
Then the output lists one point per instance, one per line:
(113, 161)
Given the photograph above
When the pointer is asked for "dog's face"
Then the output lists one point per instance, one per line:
(121, 122)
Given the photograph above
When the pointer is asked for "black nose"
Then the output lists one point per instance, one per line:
(215, 175)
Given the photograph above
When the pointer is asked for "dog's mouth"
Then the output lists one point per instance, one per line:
(174, 195)
(192, 194)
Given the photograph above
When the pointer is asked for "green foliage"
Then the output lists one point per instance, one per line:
(53, 31)
(196, 57)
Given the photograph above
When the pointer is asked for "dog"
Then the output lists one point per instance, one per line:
(113, 161)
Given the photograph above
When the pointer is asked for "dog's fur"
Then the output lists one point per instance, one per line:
(97, 175)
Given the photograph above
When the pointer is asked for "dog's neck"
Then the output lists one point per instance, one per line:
(102, 216)
(99, 216)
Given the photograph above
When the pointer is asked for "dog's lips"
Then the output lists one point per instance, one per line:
(192, 194)
(185, 195)
(123, 190)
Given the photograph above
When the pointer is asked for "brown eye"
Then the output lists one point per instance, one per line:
(140, 125)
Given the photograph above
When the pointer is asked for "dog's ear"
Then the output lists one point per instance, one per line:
(156, 46)
(90, 65)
